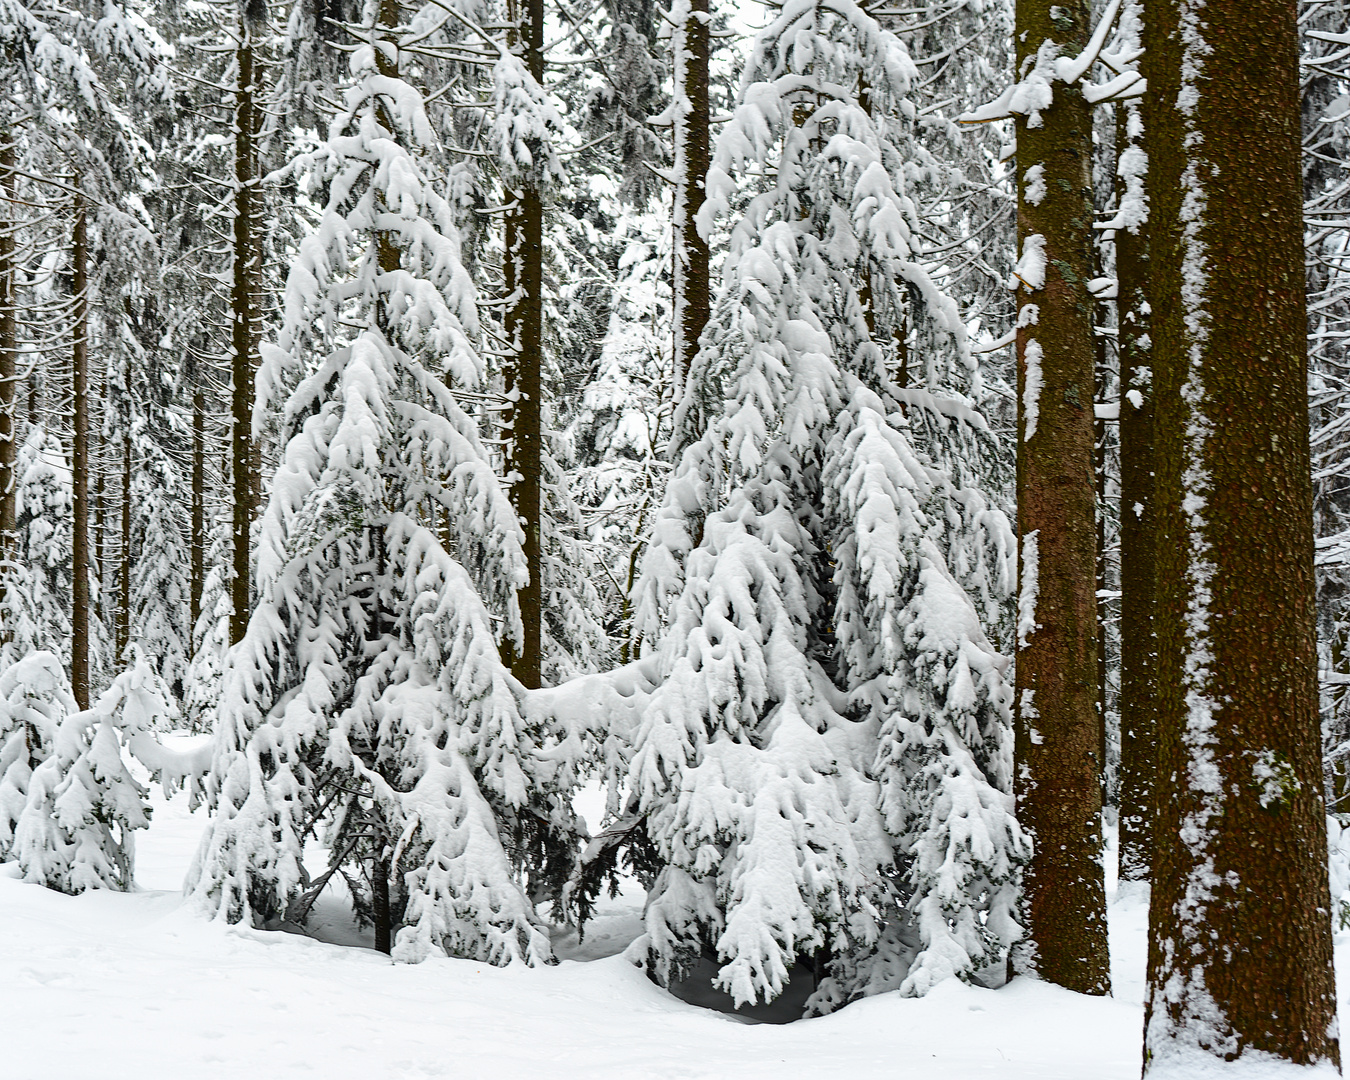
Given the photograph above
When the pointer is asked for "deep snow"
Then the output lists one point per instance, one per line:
(113, 985)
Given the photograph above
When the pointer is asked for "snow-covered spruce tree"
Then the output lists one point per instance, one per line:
(825, 768)
(159, 579)
(35, 700)
(83, 805)
(36, 609)
(367, 702)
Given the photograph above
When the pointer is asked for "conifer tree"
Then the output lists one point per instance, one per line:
(799, 564)
(35, 700)
(368, 699)
(83, 805)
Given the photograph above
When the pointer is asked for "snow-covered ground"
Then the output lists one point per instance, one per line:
(112, 985)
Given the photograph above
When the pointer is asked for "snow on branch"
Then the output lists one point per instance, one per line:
(1034, 91)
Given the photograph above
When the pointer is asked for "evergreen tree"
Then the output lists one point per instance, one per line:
(76, 829)
(367, 699)
(855, 711)
(35, 700)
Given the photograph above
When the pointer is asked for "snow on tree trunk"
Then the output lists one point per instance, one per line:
(82, 570)
(1138, 538)
(691, 46)
(245, 258)
(1240, 950)
(1059, 767)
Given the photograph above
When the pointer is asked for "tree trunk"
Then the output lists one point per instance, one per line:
(1058, 786)
(692, 285)
(243, 333)
(1138, 542)
(1240, 956)
(523, 419)
(1100, 464)
(82, 571)
(379, 902)
(9, 349)
(198, 581)
(123, 620)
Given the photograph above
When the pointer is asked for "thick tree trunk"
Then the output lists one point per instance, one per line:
(9, 347)
(82, 571)
(1138, 543)
(243, 331)
(523, 419)
(1058, 785)
(1240, 956)
(692, 283)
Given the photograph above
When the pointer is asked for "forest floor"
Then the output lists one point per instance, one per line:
(114, 985)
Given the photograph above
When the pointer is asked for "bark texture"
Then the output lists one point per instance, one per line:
(1058, 772)
(523, 419)
(1138, 541)
(243, 328)
(82, 570)
(1240, 940)
(692, 285)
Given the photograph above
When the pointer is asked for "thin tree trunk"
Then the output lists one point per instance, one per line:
(198, 579)
(243, 336)
(1058, 786)
(81, 569)
(1240, 956)
(1138, 541)
(1102, 437)
(692, 283)
(123, 619)
(523, 419)
(9, 346)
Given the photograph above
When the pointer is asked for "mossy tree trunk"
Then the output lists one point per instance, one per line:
(1058, 775)
(1240, 957)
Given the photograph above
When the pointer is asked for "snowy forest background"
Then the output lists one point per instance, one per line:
(379, 393)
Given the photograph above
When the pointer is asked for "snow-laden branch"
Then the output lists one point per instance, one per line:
(1034, 91)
